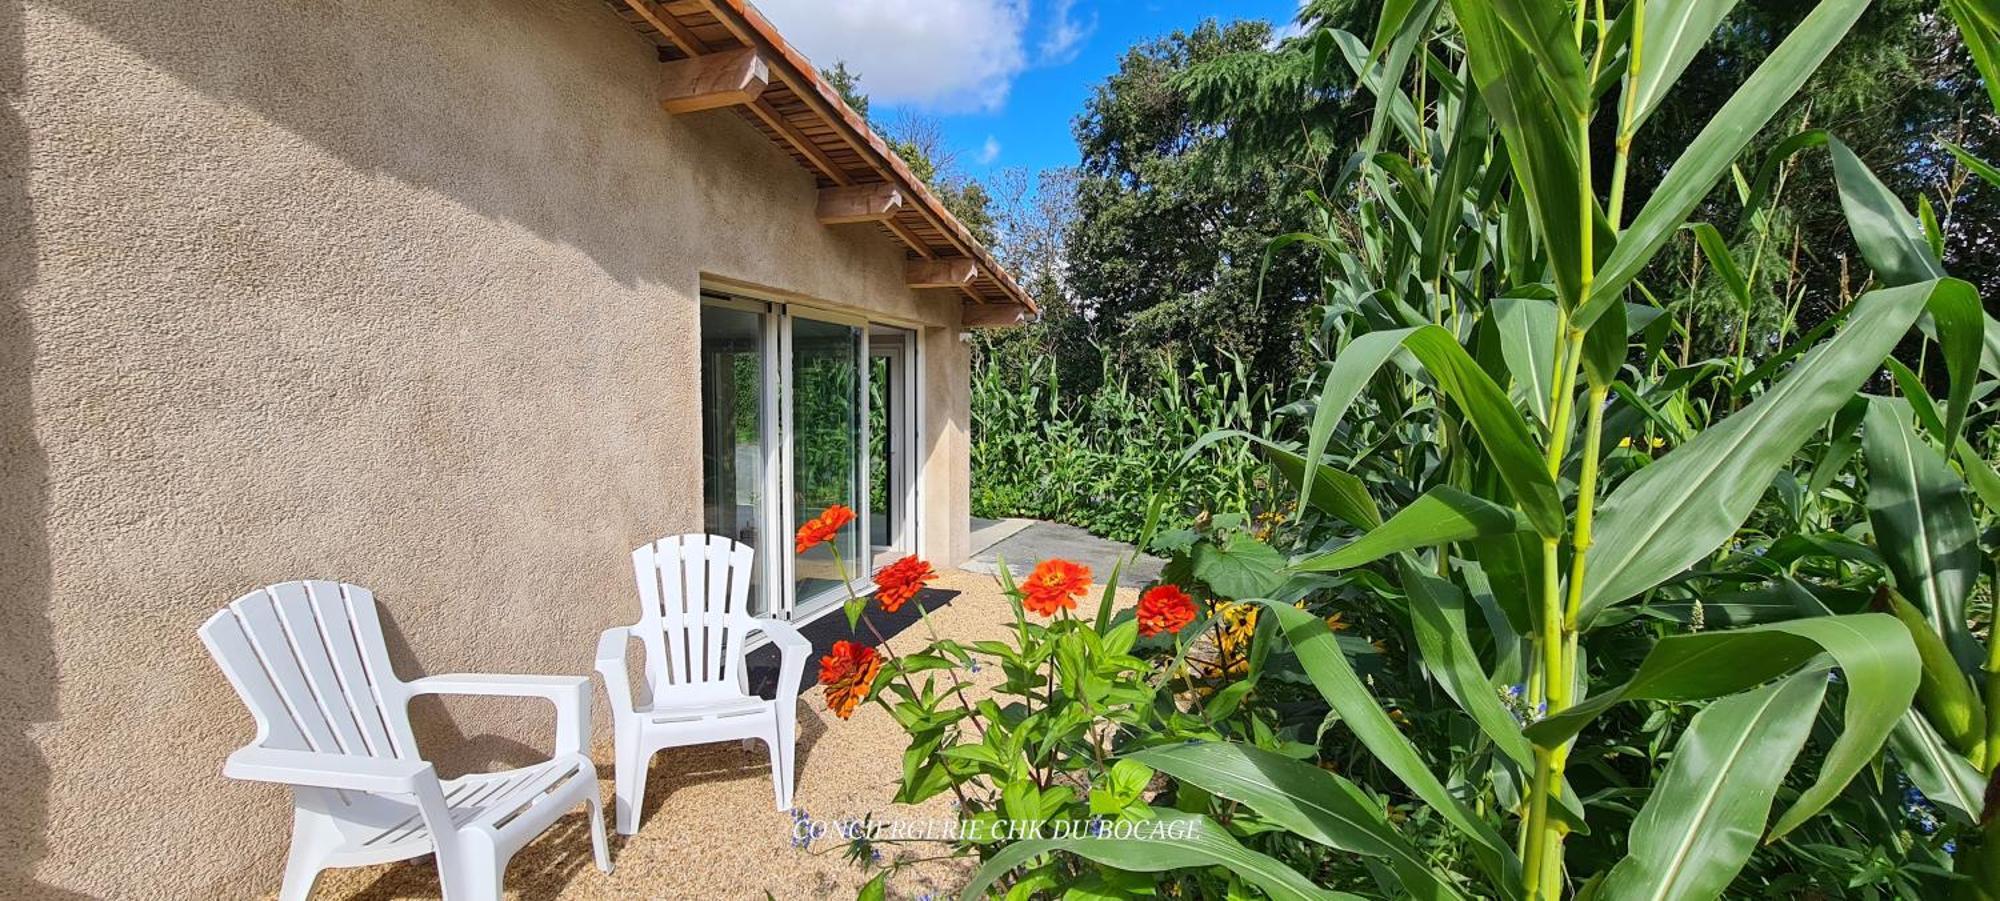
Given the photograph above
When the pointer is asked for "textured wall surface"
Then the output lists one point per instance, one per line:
(402, 294)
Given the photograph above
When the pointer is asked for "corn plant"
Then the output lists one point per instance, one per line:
(1097, 459)
(1718, 584)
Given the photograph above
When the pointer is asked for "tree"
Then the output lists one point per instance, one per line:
(919, 140)
(1168, 245)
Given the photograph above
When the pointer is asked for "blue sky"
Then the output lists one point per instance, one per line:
(1004, 78)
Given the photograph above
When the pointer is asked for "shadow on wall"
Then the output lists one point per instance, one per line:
(28, 693)
(482, 108)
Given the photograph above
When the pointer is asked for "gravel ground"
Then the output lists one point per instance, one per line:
(709, 830)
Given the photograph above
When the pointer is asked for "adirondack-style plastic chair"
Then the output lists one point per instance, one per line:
(332, 722)
(694, 616)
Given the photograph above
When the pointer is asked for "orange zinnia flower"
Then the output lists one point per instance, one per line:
(823, 527)
(1054, 585)
(900, 581)
(848, 673)
(1165, 608)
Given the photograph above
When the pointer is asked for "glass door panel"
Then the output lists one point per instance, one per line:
(891, 426)
(734, 431)
(827, 448)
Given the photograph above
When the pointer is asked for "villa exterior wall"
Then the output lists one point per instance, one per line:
(400, 294)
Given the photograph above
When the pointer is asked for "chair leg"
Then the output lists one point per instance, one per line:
(598, 846)
(312, 840)
(629, 784)
(779, 784)
(788, 746)
(475, 876)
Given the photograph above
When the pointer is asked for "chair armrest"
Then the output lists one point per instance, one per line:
(611, 665)
(783, 634)
(793, 650)
(570, 694)
(350, 772)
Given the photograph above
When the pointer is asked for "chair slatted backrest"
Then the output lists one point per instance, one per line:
(309, 661)
(694, 592)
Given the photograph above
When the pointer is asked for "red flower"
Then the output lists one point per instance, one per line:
(823, 527)
(900, 581)
(1165, 608)
(848, 673)
(1054, 585)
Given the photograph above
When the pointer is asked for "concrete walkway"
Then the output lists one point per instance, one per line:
(1025, 542)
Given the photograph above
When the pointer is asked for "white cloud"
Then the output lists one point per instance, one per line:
(941, 55)
(1288, 30)
(1064, 38)
(989, 151)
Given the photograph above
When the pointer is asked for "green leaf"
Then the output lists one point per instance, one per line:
(1183, 842)
(1443, 514)
(877, 888)
(1334, 492)
(1545, 32)
(1767, 173)
(1319, 653)
(1973, 164)
(1923, 524)
(1527, 329)
(1437, 610)
(1945, 696)
(1604, 347)
(1499, 426)
(1982, 40)
(1872, 650)
(1946, 778)
(1715, 148)
(1891, 240)
(1303, 799)
(1894, 244)
(1673, 34)
(1702, 821)
(1683, 506)
(1242, 569)
(1722, 261)
(1540, 142)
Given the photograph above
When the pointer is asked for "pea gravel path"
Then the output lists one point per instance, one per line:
(709, 830)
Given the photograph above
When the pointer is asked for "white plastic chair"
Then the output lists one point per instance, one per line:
(694, 616)
(332, 722)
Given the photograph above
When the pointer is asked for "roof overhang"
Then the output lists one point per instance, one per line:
(724, 53)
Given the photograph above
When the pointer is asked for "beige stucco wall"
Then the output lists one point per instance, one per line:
(390, 292)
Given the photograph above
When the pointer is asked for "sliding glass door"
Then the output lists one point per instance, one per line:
(737, 456)
(802, 410)
(828, 449)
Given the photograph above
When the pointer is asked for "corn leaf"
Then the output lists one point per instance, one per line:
(1442, 514)
(1702, 821)
(1872, 649)
(1319, 653)
(1192, 841)
(1673, 34)
(1715, 148)
(1923, 524)
(1677, 510)
(1303, 799)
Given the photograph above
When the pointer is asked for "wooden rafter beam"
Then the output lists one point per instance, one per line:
(859, 203)
(713, 81)
(669, 25)
(990, 315)
(909, 238)
(957, 272)
(775, 121)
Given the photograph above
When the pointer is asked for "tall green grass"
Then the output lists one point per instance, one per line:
(1095, 459)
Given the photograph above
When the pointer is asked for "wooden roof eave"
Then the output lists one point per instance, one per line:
(748, 28)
